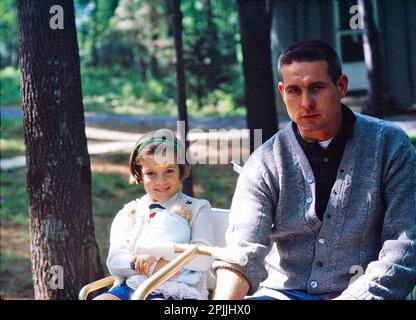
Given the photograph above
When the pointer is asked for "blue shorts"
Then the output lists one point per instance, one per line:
(124, 292)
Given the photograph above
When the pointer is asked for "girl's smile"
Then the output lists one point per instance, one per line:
(160, 181)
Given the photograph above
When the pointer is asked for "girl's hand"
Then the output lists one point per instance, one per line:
(160, 264)
(142, 263)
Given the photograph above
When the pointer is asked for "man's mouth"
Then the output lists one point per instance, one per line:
(310, 116)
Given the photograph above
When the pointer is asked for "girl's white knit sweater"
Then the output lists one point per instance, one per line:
(126, 228)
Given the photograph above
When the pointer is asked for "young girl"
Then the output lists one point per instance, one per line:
(164, 214)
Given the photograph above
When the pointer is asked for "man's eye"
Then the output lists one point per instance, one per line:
(293, 90)
(317, 88)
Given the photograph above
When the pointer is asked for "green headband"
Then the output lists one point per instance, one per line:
(142, 145)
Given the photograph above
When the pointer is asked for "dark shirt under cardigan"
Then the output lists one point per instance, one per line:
(325, 162)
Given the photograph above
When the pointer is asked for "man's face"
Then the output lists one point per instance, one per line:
(312, 99)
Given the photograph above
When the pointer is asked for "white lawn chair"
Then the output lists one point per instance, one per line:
(220, 222)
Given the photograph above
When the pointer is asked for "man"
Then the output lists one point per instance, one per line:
(327, 207)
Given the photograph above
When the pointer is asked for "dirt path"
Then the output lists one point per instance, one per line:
(16, 274)
(134, 122)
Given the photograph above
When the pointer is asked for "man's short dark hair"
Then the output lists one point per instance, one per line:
(311, 50)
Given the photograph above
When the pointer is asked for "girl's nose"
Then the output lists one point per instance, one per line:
(160, 179)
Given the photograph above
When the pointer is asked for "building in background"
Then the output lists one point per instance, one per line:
(330, 20)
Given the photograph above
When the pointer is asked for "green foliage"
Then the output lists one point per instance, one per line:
(12, 129)
(15, 272)
(8, 31)
(214, 183)
(7, 262)
(129, 47)
(11, 147)
(136, 35)
(93, 21)
(210, 47)
(120, 91)
(217, 103)
(11, 142)
(110, 192)
(11, 263)
(412, 137)
(13, 196)
(9, 86)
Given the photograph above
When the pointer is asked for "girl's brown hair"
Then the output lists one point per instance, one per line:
(148, 144)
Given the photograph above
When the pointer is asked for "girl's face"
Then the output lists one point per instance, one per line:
(160, 181)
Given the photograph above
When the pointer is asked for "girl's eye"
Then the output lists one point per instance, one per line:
(150, 174)
(170, 171)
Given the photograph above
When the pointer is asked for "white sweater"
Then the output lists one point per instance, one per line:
(126, 229)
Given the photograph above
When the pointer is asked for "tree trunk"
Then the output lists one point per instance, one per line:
(62, 241)
(142, 64)
(113, 6)
(94, 51)
(254, 26)
(373, 61)
(175, 20)
(154, 65)
(199, 94)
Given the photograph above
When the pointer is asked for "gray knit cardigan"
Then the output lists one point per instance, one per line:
(364, 246)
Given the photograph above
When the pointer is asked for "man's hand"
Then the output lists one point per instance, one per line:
(231, 285)
(142, 263)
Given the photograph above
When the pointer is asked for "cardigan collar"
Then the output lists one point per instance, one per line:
(168, 203)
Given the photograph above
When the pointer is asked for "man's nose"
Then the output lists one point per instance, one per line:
(308, 101)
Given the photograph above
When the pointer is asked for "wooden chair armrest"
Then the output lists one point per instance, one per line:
(165, 273)
(87, 289)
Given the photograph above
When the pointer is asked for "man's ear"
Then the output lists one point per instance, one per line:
(280, 86)
(342, 84)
